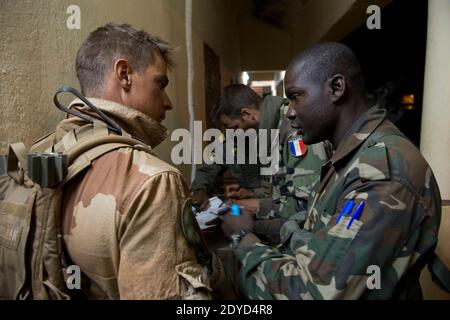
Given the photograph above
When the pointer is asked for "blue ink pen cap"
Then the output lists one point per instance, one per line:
(357, 214)
(235, 210)
(346, 209)
(349, 207)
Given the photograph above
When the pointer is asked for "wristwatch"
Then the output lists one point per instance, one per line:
(237, 237)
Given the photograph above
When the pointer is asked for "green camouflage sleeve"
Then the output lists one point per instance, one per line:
(332, 262)
(206, 177)
(293, 185)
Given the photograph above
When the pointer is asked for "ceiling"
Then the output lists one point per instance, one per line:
(278, 13)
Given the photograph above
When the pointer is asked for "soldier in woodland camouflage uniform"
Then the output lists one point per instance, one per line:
(121, 220)
(289, 189)
(396, 202)
(247, 175)
(293, 184)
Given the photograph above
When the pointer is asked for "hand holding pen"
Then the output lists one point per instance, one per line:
(239, 218)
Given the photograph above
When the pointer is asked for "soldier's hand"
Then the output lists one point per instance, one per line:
(231, 188)
(200, 199)
(251, 205)
(242, 193)
(232, 224)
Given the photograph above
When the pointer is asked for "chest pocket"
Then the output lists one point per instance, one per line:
(331, 245)
(370, 163)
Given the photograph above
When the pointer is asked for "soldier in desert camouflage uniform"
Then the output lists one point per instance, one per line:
(395, 228)
(121, 220)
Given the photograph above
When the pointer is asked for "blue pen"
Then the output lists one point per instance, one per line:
(357, 214)
(235, 210)
(346, 209)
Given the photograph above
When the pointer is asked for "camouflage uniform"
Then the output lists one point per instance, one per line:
(289, 190)
(121, 220)
(292, 186)
(397, 230)
(247, 175)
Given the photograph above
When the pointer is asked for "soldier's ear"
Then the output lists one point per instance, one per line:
(248, 114)
(123, 73)
(336, 86)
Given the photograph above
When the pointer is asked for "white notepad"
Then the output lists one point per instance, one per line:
(214, 205)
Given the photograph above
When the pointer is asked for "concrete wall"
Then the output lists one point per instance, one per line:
(37, 54)
(435, 136)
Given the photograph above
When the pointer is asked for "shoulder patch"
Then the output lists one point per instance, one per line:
(189, 225)
(193, 234)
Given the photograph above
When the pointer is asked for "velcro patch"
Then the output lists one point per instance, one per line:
(10, 235)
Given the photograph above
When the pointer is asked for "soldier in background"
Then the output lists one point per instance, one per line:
(288, 191)
(247, 176)
(377, 208)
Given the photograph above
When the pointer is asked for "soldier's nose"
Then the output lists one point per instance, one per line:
(167, 102)
(291, 113)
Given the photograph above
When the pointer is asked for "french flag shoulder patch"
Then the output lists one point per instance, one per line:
(297, 147)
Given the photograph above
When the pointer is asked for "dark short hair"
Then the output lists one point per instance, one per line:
(106, 44)
(232, 99)
(324, 60)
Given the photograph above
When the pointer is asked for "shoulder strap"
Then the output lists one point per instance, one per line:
(81, 155)
(44, 143)
(439, 273)
(82, 146)
(388, 130)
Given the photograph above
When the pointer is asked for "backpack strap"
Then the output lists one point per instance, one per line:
(81, 155)
(84, 144)
(44, 143)
(439, 273)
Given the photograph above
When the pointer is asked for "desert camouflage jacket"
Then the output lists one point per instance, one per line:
(330, 258)
(122, 221)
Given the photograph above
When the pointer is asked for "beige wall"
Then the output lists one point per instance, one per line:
(37, 53)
